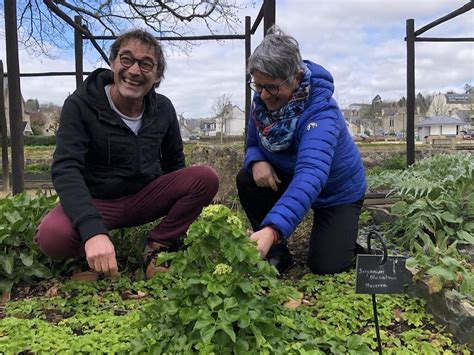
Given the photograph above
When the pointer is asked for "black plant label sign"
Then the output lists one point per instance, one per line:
(372, 277)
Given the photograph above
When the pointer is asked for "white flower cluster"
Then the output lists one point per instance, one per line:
(210, 210)
(234, 221)
(222, 269)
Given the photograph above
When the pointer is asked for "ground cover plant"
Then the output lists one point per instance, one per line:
(435, 219)
(218, 298)
(20, 259)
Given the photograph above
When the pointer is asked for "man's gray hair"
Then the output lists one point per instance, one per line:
(145, 37)
(277, 56)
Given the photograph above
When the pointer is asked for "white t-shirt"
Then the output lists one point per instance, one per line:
(134, 123)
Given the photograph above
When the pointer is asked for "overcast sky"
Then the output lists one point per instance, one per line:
(361, 42)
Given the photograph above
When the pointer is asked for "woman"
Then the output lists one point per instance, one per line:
(299, 155)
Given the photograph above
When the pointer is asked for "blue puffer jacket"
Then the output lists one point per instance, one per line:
(323, 162)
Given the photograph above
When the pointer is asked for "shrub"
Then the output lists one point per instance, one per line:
(20, 258)
(40, 140)
(436, 213)
(222, 298)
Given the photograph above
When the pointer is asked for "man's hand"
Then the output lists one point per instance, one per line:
(265, 239)
(100, 255)
(264, 175)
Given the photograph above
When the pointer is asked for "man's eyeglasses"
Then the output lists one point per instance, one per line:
(144, 65)
(272, 89)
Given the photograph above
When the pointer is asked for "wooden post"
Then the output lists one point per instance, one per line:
(248, 92)
(78, 52)
(4, 135)
(410, 134)
(14, 98)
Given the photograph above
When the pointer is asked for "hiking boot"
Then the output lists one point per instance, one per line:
(152, 250)
(280, 257)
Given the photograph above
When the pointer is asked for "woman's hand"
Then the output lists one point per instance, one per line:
(265, 176)
(265, 238)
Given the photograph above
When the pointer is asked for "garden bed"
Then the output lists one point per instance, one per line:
(50, 314)
(297, 314)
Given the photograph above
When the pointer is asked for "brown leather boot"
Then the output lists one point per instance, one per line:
(152, 250)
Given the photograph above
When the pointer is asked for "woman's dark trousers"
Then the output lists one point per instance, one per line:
(334, 233)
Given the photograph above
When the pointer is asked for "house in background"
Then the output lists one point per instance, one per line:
(451, 104)
(394, 120)
(231, 122)
(352, 119)
(208, 127)
(25, 115)
(234, 121)
(440, 126)
(189, 128)
(44, 119)
(465, 115)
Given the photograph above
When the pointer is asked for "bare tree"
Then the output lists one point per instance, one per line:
(438, 106)
(222, 108)
(44, 26)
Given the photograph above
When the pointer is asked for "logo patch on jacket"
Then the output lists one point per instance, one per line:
(311, 125)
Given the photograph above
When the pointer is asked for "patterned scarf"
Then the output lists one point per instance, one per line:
(277, 129)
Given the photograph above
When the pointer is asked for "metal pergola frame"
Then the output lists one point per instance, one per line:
(411, 38)
(267, 13)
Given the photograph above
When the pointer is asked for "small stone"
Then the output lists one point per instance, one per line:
(6, 296)
(292, 303)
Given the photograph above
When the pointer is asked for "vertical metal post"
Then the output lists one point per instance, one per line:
(14, 97)
(269, 15)
(248, 92)
(410, 38)
(78, 52)
(4, 135)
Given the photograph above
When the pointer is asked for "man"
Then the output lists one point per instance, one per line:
(119, 162)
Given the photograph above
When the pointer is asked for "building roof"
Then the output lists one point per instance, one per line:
(357, 105)
(464, 115)
(440, 120)
(192, 123)
(457, 98)
(389, 111)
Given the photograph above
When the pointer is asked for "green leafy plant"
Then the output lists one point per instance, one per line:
(436, 213)
(441, 265)
(20, 258)
(405, 327)
(223, 298)
(365, 218)
(395, 162)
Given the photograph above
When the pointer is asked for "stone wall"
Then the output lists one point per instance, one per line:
(375, 157)
(228, 161)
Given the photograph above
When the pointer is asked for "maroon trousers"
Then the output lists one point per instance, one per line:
(180, 196)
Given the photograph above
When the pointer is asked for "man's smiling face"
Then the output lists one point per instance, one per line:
(131, 83)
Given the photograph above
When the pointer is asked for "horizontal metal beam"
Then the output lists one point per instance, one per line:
(69, 73)
(180, 38)
(445, 39)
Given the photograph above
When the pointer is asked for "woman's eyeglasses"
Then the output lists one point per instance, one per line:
(272, 89)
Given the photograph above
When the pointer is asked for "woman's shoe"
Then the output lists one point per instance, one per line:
(280, 257)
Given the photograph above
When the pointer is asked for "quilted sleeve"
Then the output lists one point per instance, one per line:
(318, 137)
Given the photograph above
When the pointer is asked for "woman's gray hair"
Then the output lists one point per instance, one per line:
(277, 56)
